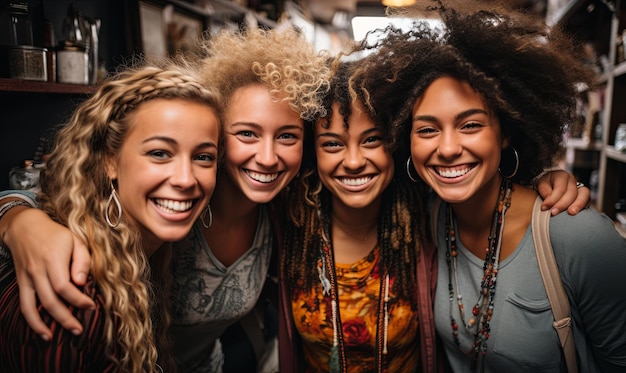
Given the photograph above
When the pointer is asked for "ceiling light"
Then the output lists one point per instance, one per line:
(398, 3)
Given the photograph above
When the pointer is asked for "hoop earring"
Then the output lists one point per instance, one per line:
(516, 163)
(207, 211)
(409, 166)
(118, 205)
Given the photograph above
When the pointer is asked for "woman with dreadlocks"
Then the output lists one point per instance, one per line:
(355, 250)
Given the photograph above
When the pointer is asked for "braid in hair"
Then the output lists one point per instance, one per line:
(75, 188)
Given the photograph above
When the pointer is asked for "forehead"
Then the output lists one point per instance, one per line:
(358, 121)
(172, 116)
(449, 93)
(255, 104)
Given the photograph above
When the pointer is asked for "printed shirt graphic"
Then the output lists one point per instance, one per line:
(358, 289)
(208, 297)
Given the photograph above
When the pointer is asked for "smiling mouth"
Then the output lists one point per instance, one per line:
(171, 206)
(355, 181)
(452, 172)
(262, 177)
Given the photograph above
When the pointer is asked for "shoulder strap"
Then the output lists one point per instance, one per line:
(553, 284)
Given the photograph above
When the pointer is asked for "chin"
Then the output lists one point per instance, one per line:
(262, 197)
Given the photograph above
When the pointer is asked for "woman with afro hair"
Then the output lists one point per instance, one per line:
(485, 99)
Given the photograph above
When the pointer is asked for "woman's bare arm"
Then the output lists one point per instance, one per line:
(42, 252)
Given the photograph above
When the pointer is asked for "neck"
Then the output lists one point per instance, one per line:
(353, 231)
(355, 222)
(475, 213)
(151, 245)
(229, 204)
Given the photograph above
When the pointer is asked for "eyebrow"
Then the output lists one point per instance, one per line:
(461, 115)
(260, 127)
(173, 142)
(336, 135)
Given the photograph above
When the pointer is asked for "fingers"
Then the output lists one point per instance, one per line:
(42, 257)
(53, 305)
(561, 192)
(552, 187)
(28, 306)
(582, 201)
(81, 262)
(59, 280)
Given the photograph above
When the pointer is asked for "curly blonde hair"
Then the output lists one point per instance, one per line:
(280, 59)
(75, 188)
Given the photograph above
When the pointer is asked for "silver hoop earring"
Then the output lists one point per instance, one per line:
(118, 205)
(207, 211)
(409, 166)
(516, 163)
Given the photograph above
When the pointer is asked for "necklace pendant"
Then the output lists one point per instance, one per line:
(321, 272)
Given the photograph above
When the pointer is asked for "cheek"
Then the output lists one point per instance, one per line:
(389, 175)
(325, 162)
(292, 157)
(207, 179)
(418, 150)
(234, 154)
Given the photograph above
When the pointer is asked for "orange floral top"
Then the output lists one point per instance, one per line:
(358, 291)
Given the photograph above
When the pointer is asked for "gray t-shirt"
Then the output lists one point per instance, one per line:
(208, 297)
(591, 257)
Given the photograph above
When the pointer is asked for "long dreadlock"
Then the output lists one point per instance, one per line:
(400, 223)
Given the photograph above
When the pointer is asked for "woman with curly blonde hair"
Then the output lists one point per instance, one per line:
(271, 83)
(134, 168)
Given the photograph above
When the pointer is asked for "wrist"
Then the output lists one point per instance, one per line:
(8, 210)
(535, 181)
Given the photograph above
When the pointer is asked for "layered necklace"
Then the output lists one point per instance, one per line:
(483, 309)
(328, 278)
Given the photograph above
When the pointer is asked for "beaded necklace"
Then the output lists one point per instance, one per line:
(328, 278)
(483, 309)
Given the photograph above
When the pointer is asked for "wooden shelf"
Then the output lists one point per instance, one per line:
(582, 144)
(18, 85)
(619, 69)
(614, 154)
(225, 9)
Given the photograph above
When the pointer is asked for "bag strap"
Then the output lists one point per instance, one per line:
(553, 284)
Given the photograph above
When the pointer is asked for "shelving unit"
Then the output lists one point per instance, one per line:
(17, 85)
(599, 23)
(31, 109)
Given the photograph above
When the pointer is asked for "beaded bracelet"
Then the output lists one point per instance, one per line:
(9, 205)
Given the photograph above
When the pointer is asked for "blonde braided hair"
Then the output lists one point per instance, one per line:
(75, 188)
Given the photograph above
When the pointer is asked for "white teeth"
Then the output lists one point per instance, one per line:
(452, 173)
(262, 178)
(356, 181)
(172, 206)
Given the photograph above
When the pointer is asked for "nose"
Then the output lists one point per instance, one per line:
(354, 160)
(183, 175)
(449, 145)
(266, 154)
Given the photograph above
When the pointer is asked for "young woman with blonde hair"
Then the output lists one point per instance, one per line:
(134, 168)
